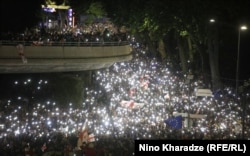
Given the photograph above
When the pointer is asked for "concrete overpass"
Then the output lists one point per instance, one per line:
(20, 57)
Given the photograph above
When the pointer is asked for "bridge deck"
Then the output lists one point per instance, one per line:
(26, 58)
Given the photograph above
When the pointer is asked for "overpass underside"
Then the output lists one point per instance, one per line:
(57, 65)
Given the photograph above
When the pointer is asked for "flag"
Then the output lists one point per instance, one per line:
(91, 137)
(217, 93)
(144, 82)
(159, 104)
(83, 135)
(44, 147)
(174, 122)
(131, 104)
(132, 92)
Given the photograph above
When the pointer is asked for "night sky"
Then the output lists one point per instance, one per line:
(16, 15)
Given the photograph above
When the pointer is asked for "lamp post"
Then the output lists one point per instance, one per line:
(237, 80)
(238, 58)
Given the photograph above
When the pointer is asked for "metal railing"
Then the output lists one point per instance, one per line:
(59, 43)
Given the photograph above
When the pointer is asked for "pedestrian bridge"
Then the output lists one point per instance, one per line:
(30, 57)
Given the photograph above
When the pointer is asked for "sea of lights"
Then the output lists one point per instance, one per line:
(157, 86)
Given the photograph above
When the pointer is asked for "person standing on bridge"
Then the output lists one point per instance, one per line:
(20, 49)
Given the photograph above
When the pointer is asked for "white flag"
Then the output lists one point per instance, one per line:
(131, 104)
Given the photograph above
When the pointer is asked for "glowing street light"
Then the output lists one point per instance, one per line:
(212, 20)
(243, 27)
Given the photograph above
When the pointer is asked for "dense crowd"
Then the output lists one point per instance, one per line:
(160, 90)
(97, 32)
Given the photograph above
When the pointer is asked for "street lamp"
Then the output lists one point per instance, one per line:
(212, 20)
(243, 27)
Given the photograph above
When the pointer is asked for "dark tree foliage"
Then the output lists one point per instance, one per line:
(62, 88)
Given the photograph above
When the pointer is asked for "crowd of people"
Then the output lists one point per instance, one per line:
(82, 35)
(110, 113)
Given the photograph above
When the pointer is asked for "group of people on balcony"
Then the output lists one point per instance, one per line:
(98, 32)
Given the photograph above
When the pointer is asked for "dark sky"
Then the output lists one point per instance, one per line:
(18, 14)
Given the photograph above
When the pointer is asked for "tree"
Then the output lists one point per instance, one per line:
(66, 89)
(96, 9)
(186, 22)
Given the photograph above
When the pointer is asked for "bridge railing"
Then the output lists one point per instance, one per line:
(59, 43)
